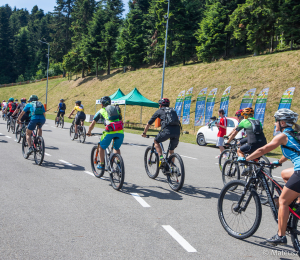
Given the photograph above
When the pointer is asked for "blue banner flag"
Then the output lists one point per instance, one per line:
(210, 103)
(260, 106)
(187, 107)
(200, 105)
(248, 98)
(179, 102)
(225, 100)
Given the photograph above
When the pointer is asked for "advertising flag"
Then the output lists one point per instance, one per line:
(187, 107)
(248, 98)
(286, 102)
(225, 100)
(200, 105)
(179, 102)
(260, 106)
(210, 103)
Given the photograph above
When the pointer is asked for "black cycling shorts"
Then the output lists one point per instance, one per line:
(163, 136)
(60, 113)
(79, 117)
(25, 118)
(294, 182)
(246, 148)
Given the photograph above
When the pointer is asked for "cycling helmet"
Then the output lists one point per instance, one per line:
(3, 101)
(11, 100)
(61, 100)
(164, 102)
(105, 101)
(247, 111)
(78, 102)
(239, 112)
(287, 115)
(23, 100)
(33, 98)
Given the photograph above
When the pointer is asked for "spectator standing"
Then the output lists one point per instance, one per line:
(222, 125)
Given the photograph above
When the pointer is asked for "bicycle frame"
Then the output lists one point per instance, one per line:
(107, 154)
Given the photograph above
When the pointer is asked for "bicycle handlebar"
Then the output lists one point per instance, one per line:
(262, 164)
(94, 134)
(147, 136)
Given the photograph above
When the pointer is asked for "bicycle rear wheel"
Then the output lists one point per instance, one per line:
(13, 125)
(176, 173)
(8, 125)
(62, 121)
(239, 221)
(72, 132)
(18, 133)
(117, 174)
(25, 148)
(224, 156)
(295, 229)
(151, 162)
(82, 134)
(39, 151)
(231, 171)
(95, 160)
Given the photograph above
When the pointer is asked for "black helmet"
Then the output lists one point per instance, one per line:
(61, 100)
(78, 102)
(164, 102)
(105, 101)
(33, 98)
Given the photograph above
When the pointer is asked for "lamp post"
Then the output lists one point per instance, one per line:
(47, 70)
(165, 54)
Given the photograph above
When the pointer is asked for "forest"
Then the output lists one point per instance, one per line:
(89, 36)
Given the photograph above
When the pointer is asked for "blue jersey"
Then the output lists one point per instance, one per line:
(293, 156)
(29, 107)
(62, 107)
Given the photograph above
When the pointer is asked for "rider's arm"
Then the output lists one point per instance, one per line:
(282, 160)
(280, 139)
(91, 127)
(72, 113)
(146, 129)
(151, 121)
(20, 116)
(232, 135)
(16, 111)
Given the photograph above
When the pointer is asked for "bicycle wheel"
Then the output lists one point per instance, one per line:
(224, 156)
(62, 121)
(117, 174)
(151, 162)
(82, 134)
(239, 221)
(176, 173)
(295, 228)
(25, 148)
(261, 190)
(13, 126)
(72, 132)
(231, 171)
(8, 125)
(39, 151)
(18, 133)
(95, 160)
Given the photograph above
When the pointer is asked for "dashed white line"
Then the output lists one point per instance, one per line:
(67, 163)
(179, 239)
(277, 177)
(140, 200)
(7, 136)
(189, 157)
(90, 173)
(47, 154)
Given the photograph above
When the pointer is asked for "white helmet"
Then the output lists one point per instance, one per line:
(287, 115)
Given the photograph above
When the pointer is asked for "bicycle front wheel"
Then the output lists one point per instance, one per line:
(240, 221)
(72, 132)
(13, 126)
(95, 160)
(25, 148)
(117, 174)
(62, 121)
(39, 151)
(82, 134)
(295, 229)
(18, 133)
(176, 172)
(8, 125)
(231, 171)
(224, 156)
(151, 162)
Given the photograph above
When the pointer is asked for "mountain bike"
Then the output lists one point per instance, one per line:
(38, 147)
(114, 165)
(60, 121)
(10, 124)
(3, 116)
(240, 210)
(81, 132)
(228, 153)
(21, 131)
(173, 167)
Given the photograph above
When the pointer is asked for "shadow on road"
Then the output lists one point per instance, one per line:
(47, 130)
(200, 192)
(62, 166)
(132, 144)
(51, 147)
(3, 141)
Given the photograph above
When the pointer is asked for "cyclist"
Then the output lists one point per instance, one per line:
(4, 107)
(11, 107)
(21, 106)
(61, 108)
(284, 120)
(170, 128)
(17, 102)
(254, 131)
(37, 117)
(113, 128)
(79, 116)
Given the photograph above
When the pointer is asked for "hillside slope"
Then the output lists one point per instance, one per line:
(277, 71)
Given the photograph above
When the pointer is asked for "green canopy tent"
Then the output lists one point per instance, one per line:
(135, 98)
(116, 95)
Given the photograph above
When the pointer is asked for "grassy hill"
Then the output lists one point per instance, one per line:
(277, 71)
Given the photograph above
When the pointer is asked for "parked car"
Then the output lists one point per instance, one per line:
(208, 134)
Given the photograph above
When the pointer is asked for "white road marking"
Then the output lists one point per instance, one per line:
(7, 136)
(277, 177)
(179, 239)
(140, 200)
(47, 154)
(67, 163)
(53, 126)
(90, 173)
(189, 157)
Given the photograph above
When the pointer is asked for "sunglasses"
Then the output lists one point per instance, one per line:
(276, 120)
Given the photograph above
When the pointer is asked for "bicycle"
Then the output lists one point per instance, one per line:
(3, 116)
(114, 165)
(11, 124)
(21, 131)
(244, 200)
(173, 168)
(38, 145)
(60, 121)
(81, 132)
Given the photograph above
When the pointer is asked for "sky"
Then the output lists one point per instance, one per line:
(46, 5)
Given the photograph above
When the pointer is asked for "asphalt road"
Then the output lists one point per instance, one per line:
(61, 211)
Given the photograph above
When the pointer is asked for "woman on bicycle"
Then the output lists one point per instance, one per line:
(79, 117)
(284, 120)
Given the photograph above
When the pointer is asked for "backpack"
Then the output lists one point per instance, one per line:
(63, 106)
(37, 108)
(13, 106)
(112, 112)
(256, 126)
(171, 117)
(296, 136)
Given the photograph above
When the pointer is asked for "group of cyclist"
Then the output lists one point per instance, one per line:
(254, 144)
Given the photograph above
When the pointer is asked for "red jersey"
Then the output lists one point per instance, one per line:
(222, 131)
(12, 106)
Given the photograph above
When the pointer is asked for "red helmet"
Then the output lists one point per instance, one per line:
(164, 102)
(239, 112)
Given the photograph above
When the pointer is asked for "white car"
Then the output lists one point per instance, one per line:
(208, 134)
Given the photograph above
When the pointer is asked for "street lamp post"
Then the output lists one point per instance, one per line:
(165, 54)
(47, 71)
